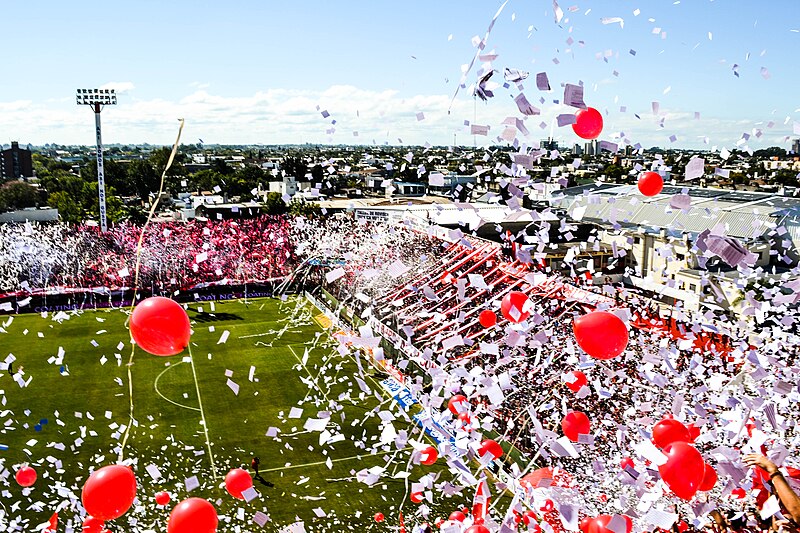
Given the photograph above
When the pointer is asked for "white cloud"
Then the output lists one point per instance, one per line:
(291, 116)
(119, 86)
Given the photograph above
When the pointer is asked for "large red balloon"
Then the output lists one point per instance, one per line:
(25, 476)
(650, 183)
(598, 525)
(457, 404)
(429, 456)
(579, 380)
(601, 334)
(477, 528)
(193, 515)
(491, 447)
(160, 326)
(487, 318)
(574, 424)
(588, 123)
(163, 498)
(92, 525)
(512, 306)
(237, 481)
(457, 516)
(109, 492)
(668, 431)
(709, 478)
(684, 470)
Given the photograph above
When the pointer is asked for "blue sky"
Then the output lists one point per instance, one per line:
(255, 72)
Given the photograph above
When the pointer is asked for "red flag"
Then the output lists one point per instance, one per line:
(402, 523)
(480, 503)
(53, 525)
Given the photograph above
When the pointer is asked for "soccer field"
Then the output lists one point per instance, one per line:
(256, 365)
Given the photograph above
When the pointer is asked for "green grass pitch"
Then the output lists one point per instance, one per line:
(84, 400)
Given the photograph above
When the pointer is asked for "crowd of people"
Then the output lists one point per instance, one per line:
(742, 400)
(173, 255)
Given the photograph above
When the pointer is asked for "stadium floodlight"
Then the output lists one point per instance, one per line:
(97, 98)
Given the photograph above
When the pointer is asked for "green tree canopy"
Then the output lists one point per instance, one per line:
(18, 195)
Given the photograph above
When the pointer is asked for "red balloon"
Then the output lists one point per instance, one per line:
(457, 516)
(465, 420)
(160, 326)
(477, 528)
(668, 431)
(429, 456)
(684, 470)
(601, 334)
(416, 497)
(626, 462)
(109, 492)
(491, 447)
(555, 478)
(487, 318)
(237, 481)
(193, 515)
(163, 498)
(512, 306)
(379, 517)
(25, 476)
(709, 478)
(598, 525)
(583, 525)
(588, 123)
(650, 183)
(453, 404)
(574, 424)
(93, 525)
(579, 380)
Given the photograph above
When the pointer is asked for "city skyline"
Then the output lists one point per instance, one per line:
(268, 74)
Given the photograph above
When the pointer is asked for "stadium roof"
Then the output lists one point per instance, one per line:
(744, 214)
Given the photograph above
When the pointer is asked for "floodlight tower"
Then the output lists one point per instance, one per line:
(98, 98)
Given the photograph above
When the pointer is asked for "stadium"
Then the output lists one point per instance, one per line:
(332, 350)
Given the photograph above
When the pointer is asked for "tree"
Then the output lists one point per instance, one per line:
(69, 210)
(18, 195)
(317, 174)
(142, 179)
(221, 167)
(205, 180)
(294, 166)
(274, 204)
(299, 207)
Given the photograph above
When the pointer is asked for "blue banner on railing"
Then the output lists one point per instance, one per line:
(404, 398)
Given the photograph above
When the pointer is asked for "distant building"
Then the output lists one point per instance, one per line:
(548, 144)
(16, 163)
(590, 148)
(796, 146)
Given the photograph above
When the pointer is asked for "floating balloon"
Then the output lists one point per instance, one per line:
(416, 497)
(684, 470)
(694, 432)
(578, 380)
(379, 517)
(491, 447)
(466, 420)
(626, 462)
(601, 334)
(514, 306)
(487, 318)
(193, 515)
(556, 477)
(588, 123)
(709, 478)
(429, 456)
(457, 404)
(457, 516)
(650, 183)
(477, 528)
(109, 492)
(574, 424)
(160, 326)
(25, 476)
(163, 498)
(583, 525)
(92, 525)
(237, 481)
(668, 431)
